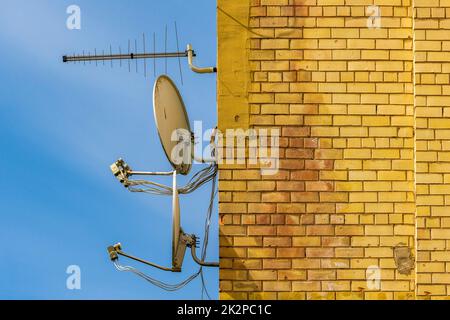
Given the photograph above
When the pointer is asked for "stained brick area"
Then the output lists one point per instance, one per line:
(345, 196)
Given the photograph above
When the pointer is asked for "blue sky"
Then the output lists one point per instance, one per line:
(61, 126)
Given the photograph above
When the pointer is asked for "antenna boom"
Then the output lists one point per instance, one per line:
(131, 56)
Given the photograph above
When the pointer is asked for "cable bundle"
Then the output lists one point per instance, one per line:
(160, 284)
(199, 179)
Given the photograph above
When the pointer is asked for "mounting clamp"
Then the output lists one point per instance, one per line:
(196, 259)
(190, 53)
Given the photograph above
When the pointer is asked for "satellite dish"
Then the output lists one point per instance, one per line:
(176, 229)
(171, 116)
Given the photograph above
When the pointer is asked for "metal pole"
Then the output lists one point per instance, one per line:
(146, 262)
(200, 262)
(143, 173)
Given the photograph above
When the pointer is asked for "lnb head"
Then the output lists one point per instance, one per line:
(121, 171)
(113, 251)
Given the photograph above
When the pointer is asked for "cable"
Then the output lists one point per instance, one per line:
(204, 290)
(208, 217)
(207, 228)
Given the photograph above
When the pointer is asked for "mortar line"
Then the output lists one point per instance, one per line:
(416, 248)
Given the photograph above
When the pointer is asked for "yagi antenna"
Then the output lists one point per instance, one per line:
(189, 54)
(129, 56)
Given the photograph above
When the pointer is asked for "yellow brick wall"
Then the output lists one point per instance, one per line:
(343, 96)
(432, 43)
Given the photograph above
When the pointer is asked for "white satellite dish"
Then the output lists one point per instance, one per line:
(171, 116)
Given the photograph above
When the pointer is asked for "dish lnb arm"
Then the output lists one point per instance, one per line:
(116, 251)
(194, 68)
(197, 260)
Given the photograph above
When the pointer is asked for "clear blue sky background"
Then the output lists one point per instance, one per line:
(61, 126)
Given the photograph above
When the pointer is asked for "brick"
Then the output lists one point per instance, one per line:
(305, 175)
(321, 274)
(379, 230)
(233, 207)
(306, 285)
(277, 242)
(291, 208)
(246, 285)
(335, 241)
(276, 197)
(357, 154)
(309, 241)
(349, 208)
(261, 252)
(261, 185)
(261, 208)
(292, 275)
(233, 230)
(349, 230)
(232, 185)
(290, 252)
(261, 230)
(362, 175)
(395, 285)
(247, 241)
(319, 230)
(319, 164)
(349, 186)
